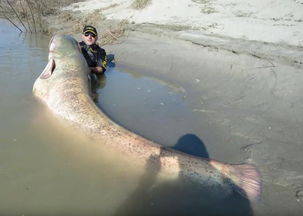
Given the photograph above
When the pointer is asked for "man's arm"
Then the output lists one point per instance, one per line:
(97, 70)
(101, 64)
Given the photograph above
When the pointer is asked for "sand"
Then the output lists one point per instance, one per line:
(279, 21)
(241, 62)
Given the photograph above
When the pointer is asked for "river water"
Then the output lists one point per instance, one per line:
(45, 171)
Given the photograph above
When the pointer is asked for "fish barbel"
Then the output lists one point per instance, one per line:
(64, 87)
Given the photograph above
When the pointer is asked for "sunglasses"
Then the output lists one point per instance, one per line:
(89, 33)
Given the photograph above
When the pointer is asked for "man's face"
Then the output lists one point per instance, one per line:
(89, 38)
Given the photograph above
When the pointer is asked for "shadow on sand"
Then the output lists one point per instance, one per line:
(180, 196)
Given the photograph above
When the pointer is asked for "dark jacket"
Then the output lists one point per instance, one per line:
(94, 55)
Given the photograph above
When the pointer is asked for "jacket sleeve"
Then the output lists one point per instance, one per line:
(102, 60)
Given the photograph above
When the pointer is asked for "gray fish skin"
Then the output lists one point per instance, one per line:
(63, 86)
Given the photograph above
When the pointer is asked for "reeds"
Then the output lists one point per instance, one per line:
(34, 16)
(28, 15)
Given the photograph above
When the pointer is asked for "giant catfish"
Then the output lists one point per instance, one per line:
(64, 87)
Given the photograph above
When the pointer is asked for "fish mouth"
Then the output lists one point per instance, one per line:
(49, 69)
(51, 65)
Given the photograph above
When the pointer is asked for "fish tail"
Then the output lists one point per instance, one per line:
(248, 180)
(245, 176)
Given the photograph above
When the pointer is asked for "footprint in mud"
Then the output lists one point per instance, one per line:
(299, 194)
(299, 1)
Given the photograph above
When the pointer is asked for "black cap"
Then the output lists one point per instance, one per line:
(89, 29)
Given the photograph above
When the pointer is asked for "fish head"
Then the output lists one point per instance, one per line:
(66, 64)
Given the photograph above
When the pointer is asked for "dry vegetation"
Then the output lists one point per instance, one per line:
(45, 16)
(28, 15)
(140, 4)
(72, 23)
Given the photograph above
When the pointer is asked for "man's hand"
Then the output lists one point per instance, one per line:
(97, 70)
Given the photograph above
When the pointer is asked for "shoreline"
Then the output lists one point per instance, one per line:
(111, 31)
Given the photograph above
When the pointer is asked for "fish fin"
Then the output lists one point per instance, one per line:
(247, 179)
(244, 177)
(48, 70)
